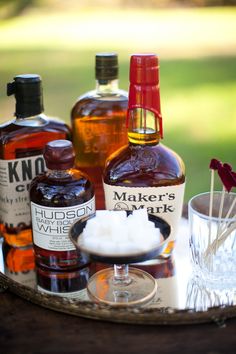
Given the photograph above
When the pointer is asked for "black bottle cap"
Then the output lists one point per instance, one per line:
(59, 155)
(106, 66)
(28, 93)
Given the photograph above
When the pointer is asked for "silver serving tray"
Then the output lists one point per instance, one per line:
(181, 298)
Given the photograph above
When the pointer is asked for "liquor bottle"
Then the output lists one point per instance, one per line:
(145, 173)
(98, 122)
(21, 146)
(58, 197)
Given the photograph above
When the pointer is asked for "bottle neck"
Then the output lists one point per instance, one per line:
(28, 106)
(107, 86)
(143, 127)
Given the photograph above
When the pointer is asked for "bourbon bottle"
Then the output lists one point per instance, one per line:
(145, 173)
(58, 197)
(21, 147)
(98, 122)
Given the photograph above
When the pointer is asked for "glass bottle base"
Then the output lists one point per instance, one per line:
(139, 291)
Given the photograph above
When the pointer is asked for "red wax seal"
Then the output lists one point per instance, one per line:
(144, 89)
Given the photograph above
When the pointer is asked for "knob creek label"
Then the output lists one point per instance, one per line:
(15, 178)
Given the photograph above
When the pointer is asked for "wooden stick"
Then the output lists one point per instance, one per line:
(211, 205)
(220, 214)
(218, 242)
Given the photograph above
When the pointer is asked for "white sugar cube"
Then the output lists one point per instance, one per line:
(112, 232)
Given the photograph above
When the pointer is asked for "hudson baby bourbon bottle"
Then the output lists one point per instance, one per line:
(98, 122)
(145, 173)
(58, 198)
(21, 156)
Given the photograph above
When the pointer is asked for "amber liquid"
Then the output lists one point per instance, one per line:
(18, 141)
(144, 166)
(98, 129)
(72, 189)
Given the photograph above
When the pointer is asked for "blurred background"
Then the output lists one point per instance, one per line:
(196, 43)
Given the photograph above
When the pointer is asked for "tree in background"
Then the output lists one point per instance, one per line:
(13, 8)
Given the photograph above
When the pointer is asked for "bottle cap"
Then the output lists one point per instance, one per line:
(144, 89)
(106, 66)
(27, 89)
(59, 155)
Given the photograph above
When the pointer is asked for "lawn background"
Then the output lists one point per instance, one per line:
(197, 49)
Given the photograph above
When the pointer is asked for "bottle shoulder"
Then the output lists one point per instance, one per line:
(22, 135)
(33, 125)
(118, 94)
(144, 165)
(73, 189)
(95, 104)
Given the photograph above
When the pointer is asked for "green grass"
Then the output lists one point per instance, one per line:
(198, 81)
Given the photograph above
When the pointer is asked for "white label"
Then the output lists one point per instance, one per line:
(51, 225)
(165, 202)
(15, 178)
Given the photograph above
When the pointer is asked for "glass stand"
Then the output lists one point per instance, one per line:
(122, 286)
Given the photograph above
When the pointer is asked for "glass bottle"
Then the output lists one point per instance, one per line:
(145, 173)
(21, 147)
(58, 197)
(98, 121)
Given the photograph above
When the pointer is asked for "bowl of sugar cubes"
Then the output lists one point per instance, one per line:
(119, 236)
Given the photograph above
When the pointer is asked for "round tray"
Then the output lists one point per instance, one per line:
(181, 299)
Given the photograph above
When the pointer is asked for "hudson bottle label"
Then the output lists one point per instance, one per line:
(15, 178)
(51, 225)
(165, 202)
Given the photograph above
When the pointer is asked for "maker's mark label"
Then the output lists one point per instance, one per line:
(165, 202)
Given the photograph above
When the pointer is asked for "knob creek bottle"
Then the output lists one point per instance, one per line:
(21, 156)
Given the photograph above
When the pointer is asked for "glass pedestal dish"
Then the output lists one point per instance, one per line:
(121, 285)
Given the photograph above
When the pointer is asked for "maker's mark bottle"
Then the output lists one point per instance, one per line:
(145, 173)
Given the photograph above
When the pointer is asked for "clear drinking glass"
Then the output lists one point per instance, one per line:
(213, 238)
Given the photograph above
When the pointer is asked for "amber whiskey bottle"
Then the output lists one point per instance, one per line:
(58, 198)
(145, 173)
(21, 147)
(98, 122)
